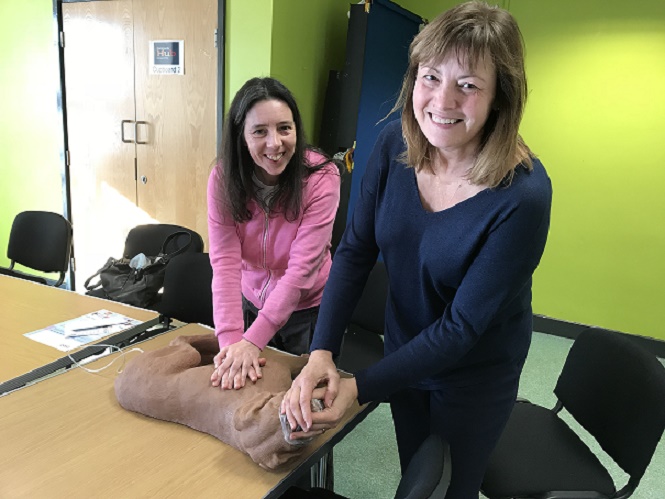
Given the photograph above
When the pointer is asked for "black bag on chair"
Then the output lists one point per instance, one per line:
(136, 286)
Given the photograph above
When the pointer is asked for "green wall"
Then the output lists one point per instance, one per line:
(316, 32)
(596, 116)
(29, 127)
(248, 40)
(427, 9)
(295, 41)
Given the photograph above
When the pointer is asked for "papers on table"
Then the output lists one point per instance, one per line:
(71, 334)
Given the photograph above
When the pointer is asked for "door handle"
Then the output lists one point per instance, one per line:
(136, 131)
(122, 131)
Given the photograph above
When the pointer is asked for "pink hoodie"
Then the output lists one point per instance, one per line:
(279, 266)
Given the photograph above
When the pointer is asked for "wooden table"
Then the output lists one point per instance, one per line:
(67, 437)
(27, 306)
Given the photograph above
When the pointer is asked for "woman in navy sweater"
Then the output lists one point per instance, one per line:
(459, 208)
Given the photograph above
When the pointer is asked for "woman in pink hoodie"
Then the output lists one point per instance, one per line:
(271, 206)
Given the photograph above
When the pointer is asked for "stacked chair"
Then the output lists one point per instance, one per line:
(363, 339)
(41, 241)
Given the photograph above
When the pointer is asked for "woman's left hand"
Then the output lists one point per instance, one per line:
(235, 363)
(331, 416)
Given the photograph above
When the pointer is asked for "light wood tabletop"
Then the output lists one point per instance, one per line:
(68, 437)
(27, 306)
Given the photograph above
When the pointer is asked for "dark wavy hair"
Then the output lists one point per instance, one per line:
(238, 166)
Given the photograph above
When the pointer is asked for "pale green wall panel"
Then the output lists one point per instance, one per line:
(595, 116)
(309, 40)
(29, 127)
(427, 9)
(295, 41)
(248, 40)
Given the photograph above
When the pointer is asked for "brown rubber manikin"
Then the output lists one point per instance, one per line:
(173, 384)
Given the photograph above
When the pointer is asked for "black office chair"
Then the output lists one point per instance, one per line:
(426, 477)
(187, 294)
(428, 473)
(363, 339)
(339, 224)
(148, 239)
(616, 391)
(39, 240)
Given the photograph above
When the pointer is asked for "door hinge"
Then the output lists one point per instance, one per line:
(216, 43)
(67, 157)
(136, 169)
(62, 39)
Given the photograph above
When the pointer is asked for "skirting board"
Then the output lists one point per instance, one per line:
(557, 327)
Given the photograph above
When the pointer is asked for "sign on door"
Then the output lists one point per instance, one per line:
(167, 57)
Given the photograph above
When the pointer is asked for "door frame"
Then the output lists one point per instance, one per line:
(63, 139)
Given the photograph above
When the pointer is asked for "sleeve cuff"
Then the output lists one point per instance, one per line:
(226, 339)
(260, 332)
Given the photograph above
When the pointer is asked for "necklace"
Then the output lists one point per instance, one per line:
(455, 191)
(437, 194)
(450, 202)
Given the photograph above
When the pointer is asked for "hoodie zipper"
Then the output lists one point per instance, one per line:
(262, 297)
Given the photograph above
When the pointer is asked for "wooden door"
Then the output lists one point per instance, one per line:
(174, 165)
(117, 185)
(99, 81)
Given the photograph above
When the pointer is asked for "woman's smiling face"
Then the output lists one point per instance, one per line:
(452, 102)
(270, 135)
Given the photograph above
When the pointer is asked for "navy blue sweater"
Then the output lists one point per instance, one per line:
(459, 306)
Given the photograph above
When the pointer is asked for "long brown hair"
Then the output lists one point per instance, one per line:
(474, 31)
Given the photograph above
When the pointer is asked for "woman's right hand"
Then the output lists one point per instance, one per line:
(320, 369)
(235, 363)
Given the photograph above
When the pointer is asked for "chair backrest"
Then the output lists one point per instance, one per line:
(339, 224)
(428, 473)
(187, 294)
(41, 240)
(616, 390)
(370, 312)
(148, 239)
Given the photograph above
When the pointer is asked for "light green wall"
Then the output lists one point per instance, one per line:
(295, 41)
(248, 41)
(427, 9)
(309, 39)
(595, 116)
(29, 129)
